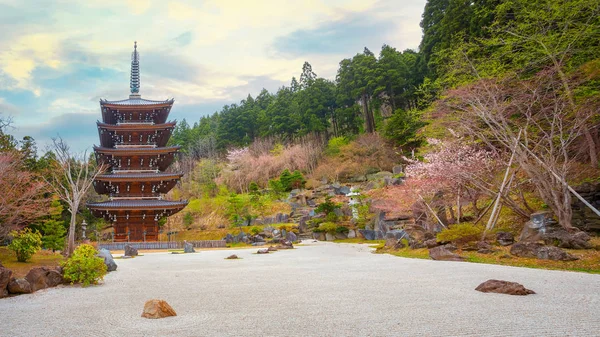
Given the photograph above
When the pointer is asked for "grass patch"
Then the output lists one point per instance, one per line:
(421, 253)
(374, 243)
(589, 259)
(43, 258)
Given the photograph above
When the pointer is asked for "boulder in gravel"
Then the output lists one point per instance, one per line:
(272, 249)
(263, 251)
(19, 286)
(232, 257)
(283, 244)
(538, 250)
(108, 259)
(130, 251)
(5, 276)
(503, 287)
(43, 277)
(505, 238)
(441, 253)
(188, 248)
(157, 309)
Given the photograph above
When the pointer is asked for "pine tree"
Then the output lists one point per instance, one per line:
(54, 228)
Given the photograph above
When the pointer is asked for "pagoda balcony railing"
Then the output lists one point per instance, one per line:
(135, 122)
(118, 170)
(135, 197)
(145, 145)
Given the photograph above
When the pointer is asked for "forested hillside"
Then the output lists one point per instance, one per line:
(495, 87)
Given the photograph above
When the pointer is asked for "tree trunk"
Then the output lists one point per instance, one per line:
(368, 126)
(72, 226)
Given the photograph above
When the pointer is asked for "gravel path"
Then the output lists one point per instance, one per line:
(321, 289)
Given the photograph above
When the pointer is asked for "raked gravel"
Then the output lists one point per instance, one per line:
(318, 289)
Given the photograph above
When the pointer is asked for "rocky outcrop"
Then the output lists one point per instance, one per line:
(583, 217)
(108, 259)
(5, 277)
(503, 287)
(130, 251)
(442, 253)
(19, 286)
(157, 309)
(540, 251)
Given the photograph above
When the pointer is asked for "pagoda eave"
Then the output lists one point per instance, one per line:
(147, 151)
(135, 205)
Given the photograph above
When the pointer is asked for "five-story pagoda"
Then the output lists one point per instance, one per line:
(133, 136)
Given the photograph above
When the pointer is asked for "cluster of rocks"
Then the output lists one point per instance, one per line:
(325, 236)
(38, 278)
(268, 235)
(283, 244)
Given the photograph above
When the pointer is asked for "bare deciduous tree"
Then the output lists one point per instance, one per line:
(495, 111)
(71, 178)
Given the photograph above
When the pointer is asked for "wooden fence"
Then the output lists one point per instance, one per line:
(162, 245)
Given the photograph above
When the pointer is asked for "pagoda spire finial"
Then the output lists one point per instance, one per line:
(134, 83)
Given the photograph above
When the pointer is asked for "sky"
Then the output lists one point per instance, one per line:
(59, 58)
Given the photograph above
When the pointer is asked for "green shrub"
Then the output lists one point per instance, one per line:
(328, 206)
(326, 227)
(342, 229)
(25, 243)
(460, 234)
(288, 228)
(253, 188)
(334, 145)
(84, 266)
(255, 230)
(188, 220)
(331, 217)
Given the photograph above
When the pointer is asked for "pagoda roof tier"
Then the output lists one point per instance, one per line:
(136, 102)
(142, 134)
(135, 126)
(133, 205)
(136, 158)
(139, 176)
(136, 151)
(135, 114)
